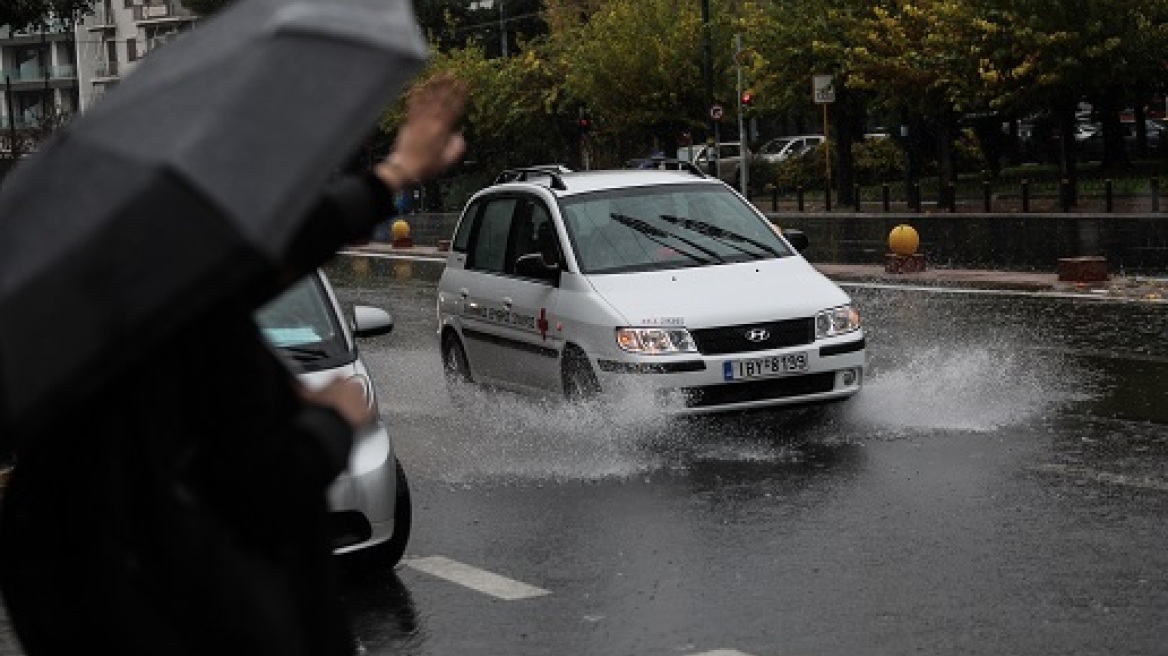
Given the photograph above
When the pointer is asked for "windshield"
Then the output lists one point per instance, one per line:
(301, 323)
(775, 147)
(666, 227)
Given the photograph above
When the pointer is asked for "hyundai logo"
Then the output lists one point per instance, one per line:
(758, 335)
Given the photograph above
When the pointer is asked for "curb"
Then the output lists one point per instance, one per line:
(1126, 288)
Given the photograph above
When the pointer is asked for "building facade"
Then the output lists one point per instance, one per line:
(38, 82)
(117, 35)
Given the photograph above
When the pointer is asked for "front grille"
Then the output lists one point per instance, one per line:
(733, 339)
(757, 390)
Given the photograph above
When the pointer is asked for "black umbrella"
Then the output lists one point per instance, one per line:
(184, 183)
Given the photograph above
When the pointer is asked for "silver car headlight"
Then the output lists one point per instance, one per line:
(655, 341)
(836, 321)
(366, 388)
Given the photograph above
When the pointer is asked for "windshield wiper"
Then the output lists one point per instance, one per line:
(305, 353)
(658, 235)
(721, 234)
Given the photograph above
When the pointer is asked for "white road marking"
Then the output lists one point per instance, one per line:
(722, 652)
(1100, 476)
(475, 578)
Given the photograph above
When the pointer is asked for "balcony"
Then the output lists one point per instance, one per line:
(105, 71)
(27, 77)
(101, 19)
(160, 11)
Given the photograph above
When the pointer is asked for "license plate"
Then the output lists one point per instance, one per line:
(776, 365)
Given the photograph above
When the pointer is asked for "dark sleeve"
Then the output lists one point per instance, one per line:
(328, 438)
(346, 214)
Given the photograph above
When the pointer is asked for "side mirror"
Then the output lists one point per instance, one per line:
(371, 321)
(797, 238)
(533, 266)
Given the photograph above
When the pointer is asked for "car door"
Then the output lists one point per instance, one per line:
(476, 290)
(532, 341)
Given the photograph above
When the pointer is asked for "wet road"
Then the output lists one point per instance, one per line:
(1000, 486)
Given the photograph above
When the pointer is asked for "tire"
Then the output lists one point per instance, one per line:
(391, 551)
(580, 382)
(456, 368)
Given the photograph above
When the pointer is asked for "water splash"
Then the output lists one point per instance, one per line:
(974, 388)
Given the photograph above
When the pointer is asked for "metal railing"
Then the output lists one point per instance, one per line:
(38, 73)
(161, 10)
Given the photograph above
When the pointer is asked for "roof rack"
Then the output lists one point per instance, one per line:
(665, 164)
(552, 171)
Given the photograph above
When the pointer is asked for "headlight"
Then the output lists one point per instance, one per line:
(836, 321)
(366, 388)
(654, 341)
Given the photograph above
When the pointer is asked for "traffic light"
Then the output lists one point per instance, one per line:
(747, 98)
(584, 121)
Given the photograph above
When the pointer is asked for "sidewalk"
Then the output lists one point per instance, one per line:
(1133, 288)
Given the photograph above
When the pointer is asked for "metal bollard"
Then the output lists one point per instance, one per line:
(1108, 198)
(1025, 195)
(856, 197)
(799, 197)
(916, 197)
(951, 197)
(886, 197)
(987, 196)
(1065, 194)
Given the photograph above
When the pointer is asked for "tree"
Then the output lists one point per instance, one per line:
(794, 41)
(636, 65)
(19, 14)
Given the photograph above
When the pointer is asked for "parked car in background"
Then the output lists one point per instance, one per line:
(729, 155)
(781, 149)
(664, 285)
(370, 502)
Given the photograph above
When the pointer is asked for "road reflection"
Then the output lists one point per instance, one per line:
(381, 609)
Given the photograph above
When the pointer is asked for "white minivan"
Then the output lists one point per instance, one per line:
(665, 283)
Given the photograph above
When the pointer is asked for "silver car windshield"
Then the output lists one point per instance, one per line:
(666, 227)
(302, 325)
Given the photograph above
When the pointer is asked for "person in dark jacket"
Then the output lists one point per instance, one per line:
(182, 509)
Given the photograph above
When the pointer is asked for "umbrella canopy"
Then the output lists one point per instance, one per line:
(185, 183)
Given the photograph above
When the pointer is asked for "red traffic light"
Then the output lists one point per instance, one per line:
(747, 98)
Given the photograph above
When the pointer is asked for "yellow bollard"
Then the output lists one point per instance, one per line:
(401, 234)
(904, 241)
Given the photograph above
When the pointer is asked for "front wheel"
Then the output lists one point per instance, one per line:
(456, 368)
(580, 382)
(391, 551)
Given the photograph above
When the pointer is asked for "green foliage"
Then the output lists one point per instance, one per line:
(878, 160)
(19, 14)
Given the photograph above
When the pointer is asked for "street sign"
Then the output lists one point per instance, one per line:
(823, 88)
(716, 112)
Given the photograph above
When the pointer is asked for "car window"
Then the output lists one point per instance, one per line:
(302, 323)
(775, 147)
(668, 226)
(462, 233)
(534, 233)
(488, 248)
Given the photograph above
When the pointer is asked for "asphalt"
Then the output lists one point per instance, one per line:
(1148, 289)
(1141, 289)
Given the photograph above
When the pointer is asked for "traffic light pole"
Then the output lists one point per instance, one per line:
(744, 160)
(707, 61)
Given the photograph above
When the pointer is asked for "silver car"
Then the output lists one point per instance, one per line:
(370, 501)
